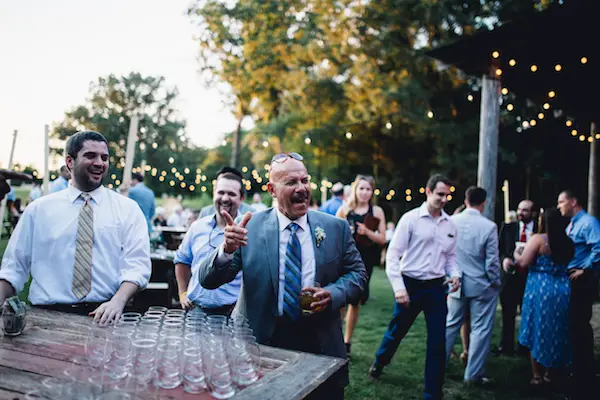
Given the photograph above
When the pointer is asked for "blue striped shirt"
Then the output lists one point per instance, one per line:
(201, 239)
(584, 230)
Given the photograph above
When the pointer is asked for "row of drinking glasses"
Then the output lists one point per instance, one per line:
(170, 347)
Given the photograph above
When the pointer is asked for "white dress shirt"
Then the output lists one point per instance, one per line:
(43, 246)
(423, 247)
(308, 254)
(528, 229)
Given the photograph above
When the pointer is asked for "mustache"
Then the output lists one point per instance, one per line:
(299, 197)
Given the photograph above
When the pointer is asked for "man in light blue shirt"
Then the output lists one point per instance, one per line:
(144, 197)
(332, 205)
(62, 182)
(584, 230)
(202, 238)
(243, 208)
(477, 257)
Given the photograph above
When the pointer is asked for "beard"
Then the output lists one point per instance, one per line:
(227, 206)
(84, 180)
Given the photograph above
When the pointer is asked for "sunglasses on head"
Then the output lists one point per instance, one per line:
(283, 157)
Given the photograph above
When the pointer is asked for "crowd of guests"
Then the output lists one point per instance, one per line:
(261, 261)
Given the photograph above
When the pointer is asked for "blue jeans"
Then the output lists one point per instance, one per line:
(429, 297)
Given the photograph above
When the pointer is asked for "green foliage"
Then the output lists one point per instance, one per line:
(108, 110)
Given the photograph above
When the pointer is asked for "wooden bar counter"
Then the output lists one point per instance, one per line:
(52, 340)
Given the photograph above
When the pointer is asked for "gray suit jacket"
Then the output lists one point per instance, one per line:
(477, 254)
(339, 269)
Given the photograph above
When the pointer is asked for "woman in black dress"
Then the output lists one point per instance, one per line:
(367, 224)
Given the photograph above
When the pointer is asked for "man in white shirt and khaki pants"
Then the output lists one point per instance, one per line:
(420, 256)
(86, 248)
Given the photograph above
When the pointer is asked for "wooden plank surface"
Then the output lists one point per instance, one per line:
(52, 340)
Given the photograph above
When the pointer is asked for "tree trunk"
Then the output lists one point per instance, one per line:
(488, 142)
(236, 145)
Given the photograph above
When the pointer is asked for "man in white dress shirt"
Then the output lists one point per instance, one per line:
(477, 257)
(86, 248)
(420, 256)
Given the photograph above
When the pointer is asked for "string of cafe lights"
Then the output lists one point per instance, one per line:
(546, 106)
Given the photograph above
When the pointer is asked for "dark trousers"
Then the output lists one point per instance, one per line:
(510, 298)
(583, 293)
(300, 336)
(223, 310)
(429, 297)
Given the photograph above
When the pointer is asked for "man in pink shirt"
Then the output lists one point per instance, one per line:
(420, 257)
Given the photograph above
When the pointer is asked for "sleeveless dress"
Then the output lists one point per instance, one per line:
(545, 313)
(370, 253)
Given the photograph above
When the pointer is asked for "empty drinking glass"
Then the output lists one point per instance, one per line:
(194, 380)
(120, 361)
(144, 355)
(169, 364)
(97, 345)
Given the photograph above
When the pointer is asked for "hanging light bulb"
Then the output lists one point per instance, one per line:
(495, 54)
(504, 91)
(534, 68)
(574, 132)
(512, 62)
(348, 135)
(429, 114)
(388, 125)
(533, 122)
(551, 94)
(546, 106)
(265, 144)
(307, 140)
(540, 115)
(558, 67)
(569, 122)
(470, 97)
(498, 71)
(584, 60)
(510, 107)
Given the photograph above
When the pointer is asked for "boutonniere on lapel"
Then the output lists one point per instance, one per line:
(319, 235)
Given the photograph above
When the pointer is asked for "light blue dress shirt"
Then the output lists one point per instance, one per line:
(584, 230)
(43, 246)
(11, 195)
(201, 239)
(59, 184)
(144, 197)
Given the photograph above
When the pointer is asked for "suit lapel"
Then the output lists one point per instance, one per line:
(313, 222)
(271, 236)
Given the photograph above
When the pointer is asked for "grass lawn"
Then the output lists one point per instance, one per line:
(403, 378)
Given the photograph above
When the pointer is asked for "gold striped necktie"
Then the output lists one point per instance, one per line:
(82, 272)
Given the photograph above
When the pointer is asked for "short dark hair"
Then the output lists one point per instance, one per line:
(475, 195)
(75, 142)
(571, 194)
(64, 168)
(435, 179)
(232, 177)
(231, 170)
(138, 177)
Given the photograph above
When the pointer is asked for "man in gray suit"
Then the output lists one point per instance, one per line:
(285, 251)
(477, 257)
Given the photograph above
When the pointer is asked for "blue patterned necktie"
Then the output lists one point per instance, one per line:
(293, 275)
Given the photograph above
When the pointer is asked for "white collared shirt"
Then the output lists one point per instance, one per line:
(43, 246)
(423, 247)
(528, 229)
(308, 253)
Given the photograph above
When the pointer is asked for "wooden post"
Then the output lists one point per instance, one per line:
(46, 182)
(130, 154)
(505, 189)
(488, 141)
(594, 175)
(10, 165)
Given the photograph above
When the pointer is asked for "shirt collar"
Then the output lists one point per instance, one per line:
(97, 194)
(424, 212)
(285, 221)
(577, 216)
(472, 211)
(528, 226)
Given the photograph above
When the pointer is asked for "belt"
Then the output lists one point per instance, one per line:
(77, 308)
(429, 283)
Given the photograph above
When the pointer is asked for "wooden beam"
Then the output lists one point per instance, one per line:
(593, 176)
(132, 139)
(488, 142)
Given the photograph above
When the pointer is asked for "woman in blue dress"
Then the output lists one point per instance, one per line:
(545, 312)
